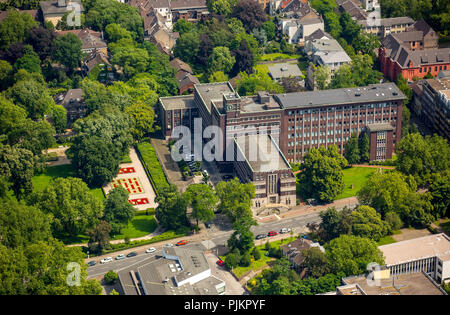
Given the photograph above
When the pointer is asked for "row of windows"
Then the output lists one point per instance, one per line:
(340, 108)
(435, 69)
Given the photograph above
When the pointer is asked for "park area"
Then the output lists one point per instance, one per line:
(41, 181)
(355, 176)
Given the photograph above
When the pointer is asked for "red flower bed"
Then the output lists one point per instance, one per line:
(139, 201)
(127, 170)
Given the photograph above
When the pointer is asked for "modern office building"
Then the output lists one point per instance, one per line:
(428, 254)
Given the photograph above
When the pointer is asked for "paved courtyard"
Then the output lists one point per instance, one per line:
(132, 176)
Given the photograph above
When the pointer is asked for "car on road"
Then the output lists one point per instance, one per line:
(220, 263)
(92, 263)
(227, 177)
(105, 260)
(121, 256)
(285, 230)
(182, 242)
(132, 254)
(150, 250)
(272, 233)
(169, 245)
(260, 236)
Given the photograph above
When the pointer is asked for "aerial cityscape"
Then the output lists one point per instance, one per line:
(225, 148)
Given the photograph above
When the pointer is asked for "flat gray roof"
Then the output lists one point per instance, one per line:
(213, 91)
(380, 127)
(261, 153)
(283, 70)
(371, 93)
(177, 102)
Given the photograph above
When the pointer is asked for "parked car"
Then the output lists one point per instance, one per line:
(272, 233)
(182, 242)
(121, 256)
(150, 250)
(220, 262)
(132, 254)
(105, 260)
(285, 230)
(92, 263)
(260, 236)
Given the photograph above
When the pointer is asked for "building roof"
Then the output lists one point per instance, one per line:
(283, 70)
(371, 93)
(414, 249)
(90, 39)
(165, 39)
(52, 7)
(332, 57)
(177, 102)
(213, 91)
(95, 58)
(261, 153)
(187, 4)
(318, 34)
(407, 284)
(175, 272)
(422, 26)
(294, 249)
(186, 79)
(178, 64)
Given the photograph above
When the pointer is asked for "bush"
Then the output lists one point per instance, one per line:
(152, 166)
(232, 260)
(275, 252)
(393, 220)
(111, 277)
(256, 254)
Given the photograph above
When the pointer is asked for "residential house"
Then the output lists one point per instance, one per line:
(353, 8)
(326, 51)
(100, 60)
(185, 78)
(74, 104)
(54, 10)
(190, 10)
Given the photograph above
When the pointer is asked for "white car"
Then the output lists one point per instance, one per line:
(105, 260)
(285, 230)
(121, 256)
(150, 250)
(169, 245)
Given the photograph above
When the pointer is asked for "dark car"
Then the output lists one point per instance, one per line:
(132, 254)
(207, 225)
(260, 236)
(92, 263)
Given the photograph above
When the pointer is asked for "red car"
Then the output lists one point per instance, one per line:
(272, 233)
(182, 242)
(220, 262)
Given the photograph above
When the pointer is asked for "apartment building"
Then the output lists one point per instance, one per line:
(384, 27)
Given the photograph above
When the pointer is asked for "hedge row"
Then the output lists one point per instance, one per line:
(152, 166)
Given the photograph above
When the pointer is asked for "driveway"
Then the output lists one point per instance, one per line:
(233, 287)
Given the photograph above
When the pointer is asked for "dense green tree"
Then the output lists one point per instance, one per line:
(221, 60)
(332, 24)
(350, 29)
(322, 76)
(21, 225)
(315, 262)
(35, 136)
(118, 212)
(393, 221)
(44, 268)
(172, 207)
(351, 150)
(10, 115)
(218, 76)
(364, 147)
(244, 59)
(321, 177)
(59, 118)
(42, 41)
(187, 47)
(270, 30)
(17, 167)
(115, 32)
(68, 51)
(111, 277)
(334, 223)
(421, 157)
(73, 207)
(440, 190)
(142, 116)
(235, 198)
(129, 57)
(182, 26)
(203, 201)
(351, 254)
(95, 158)
(221, 7)
(255, 82)
(29, 62)
(5, 74)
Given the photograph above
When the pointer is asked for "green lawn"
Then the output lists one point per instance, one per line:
(262, 68)
(42, 180)
(356, 176)
(444, 224)
(139, 226)
(388, 239)
(278, 56)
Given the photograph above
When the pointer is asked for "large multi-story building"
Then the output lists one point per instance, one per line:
(384, 27)
(291, 124)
